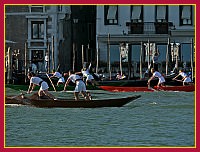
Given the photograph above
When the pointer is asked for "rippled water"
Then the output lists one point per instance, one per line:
(156, 119)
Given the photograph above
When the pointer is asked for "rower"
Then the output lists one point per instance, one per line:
(185, 79)
(58, 75)
(158, 75)
(80, 86)
(34, 80)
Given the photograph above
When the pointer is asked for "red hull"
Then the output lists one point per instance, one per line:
(126, 89)
(190, 88)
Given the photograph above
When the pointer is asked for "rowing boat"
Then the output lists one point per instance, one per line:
(125, 89)
(71, 103)
(188, 88)
(138, 82)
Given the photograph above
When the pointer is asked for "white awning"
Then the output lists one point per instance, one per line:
(161, 12)
(186, 12)
(136, 12)
(112, 10)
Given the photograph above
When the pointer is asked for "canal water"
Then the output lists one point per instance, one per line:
(164, 119)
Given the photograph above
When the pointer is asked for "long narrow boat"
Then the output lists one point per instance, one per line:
(71, 103)
(188, 88)
(138, 82)
(126, 89)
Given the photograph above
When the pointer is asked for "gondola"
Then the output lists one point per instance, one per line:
(187, 88)
(70, 103)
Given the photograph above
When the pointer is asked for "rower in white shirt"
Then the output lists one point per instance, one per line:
(86, 74)
(58, 75)
(185, 79)
(158, 75)
(80, 86)
(34, 80)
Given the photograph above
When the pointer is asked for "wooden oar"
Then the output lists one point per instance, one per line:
(51, 82)
(57, 67)
(177, 80)
(13, 97)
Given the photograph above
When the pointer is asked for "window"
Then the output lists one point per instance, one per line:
(111, 15)
(136, 13)
(37, 28)
(36, 8)
(60, 8)
(185, 15)
(161, 19)
(37, 56)
(161, 13)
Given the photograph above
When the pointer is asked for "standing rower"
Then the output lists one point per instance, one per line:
(185, 79)
(158, 75)
(80, 85)
(34, 80)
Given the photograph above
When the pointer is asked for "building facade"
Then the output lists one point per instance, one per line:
(44, 38)
(143, 30)
(69, 36)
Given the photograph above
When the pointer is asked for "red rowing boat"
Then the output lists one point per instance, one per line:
(188, 88)
(126, 89)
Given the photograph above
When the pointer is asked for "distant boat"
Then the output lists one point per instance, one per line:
(138, 82)
(188, 88)
(70, 103)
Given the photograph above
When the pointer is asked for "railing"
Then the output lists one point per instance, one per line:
(149, 27)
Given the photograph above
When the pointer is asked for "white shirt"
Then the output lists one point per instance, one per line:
(86, 72)
(35, 80)
(46, 58)
(74, 77)
(159, 76)
(183, 74)
(57, 74)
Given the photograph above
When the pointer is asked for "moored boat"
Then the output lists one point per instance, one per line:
(71, 103)
(188, 88)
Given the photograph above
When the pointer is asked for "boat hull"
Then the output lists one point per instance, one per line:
(61, 103)
(83, 104)
(138, 82)
(126, 89)
(189, 88)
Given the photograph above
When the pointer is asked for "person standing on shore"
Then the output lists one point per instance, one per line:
(155, 60)
(46, 58)
(34, 80)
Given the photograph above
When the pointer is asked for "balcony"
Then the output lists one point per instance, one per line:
(148, 27)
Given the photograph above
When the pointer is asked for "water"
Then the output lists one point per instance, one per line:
(163, 119)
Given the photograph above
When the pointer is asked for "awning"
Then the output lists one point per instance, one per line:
(161, 12)
(186, 12)
(136, 12)
(112, 12)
